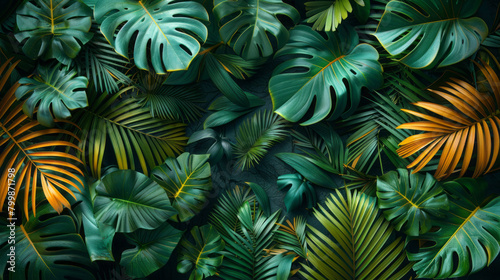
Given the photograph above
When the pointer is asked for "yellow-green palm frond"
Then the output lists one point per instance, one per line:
(359, 246)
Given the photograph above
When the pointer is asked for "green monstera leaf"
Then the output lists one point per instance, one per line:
(53, 28)
(430, 33)
(173, 28)
(152, 250)
(300, 191)
(410, 201)
(469, 234)
(319, 66)
(129, 200)
(56, 91)
(47, 246)
(247, 24)
(187, 182)
(204, 254)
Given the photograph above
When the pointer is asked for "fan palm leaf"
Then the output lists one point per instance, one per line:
(360, 248)
(134, 134)
(35, 161)
(469, 126)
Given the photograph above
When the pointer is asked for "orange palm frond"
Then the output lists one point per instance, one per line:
(36, 162)
(469, 126)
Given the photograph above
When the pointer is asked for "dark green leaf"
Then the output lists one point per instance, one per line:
(55, 91)
(173, 28)
(321, 68)
(187, 182)
(469, 234)
(247, 24)
(204, 254)
(300, 191)
(129, 200)
(410, 201)
(152, 250)
(53, 28)
(430, 33)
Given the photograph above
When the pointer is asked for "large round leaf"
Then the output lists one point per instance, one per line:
(469, 234)
(152, 250)
(129, 200)
(318, 67)
(247, 24)
(55, 91)
(46, 248)
(187, 182)
(172, 28)
(204, 254)
(431, 33)
(410, 200)
(53, 28)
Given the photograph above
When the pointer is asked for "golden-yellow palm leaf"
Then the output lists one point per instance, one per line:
(468, 127)
(36, 162)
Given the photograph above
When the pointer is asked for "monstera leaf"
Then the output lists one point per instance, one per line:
(187, 182)
(410, 200)
(47, 248)
(129, 200)
(173, 28)
(430, 33)
(300, 191)
(245, 25)
(152, 250)
(327, 63)
(55, 91)
(53, 28)
(467, 239)
(204, 254)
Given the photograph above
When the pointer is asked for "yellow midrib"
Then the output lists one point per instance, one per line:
(183, 184)
(52, 27)
(199, 255)
(409, 201)
(455, 233)
(161, 31)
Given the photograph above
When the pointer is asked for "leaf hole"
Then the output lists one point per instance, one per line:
(404, 16)
(418, 8)
(186, 49)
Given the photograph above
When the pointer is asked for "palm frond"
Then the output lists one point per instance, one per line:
(99, 61)
(359, 246)
(471, 123)
(256, 135)
(139, 141)
(327, 15)
(33, 160)
(225, 213)
(292, 237)
(246, 257)
(174, 102)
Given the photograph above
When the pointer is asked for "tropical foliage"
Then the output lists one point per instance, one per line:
(249, 139)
